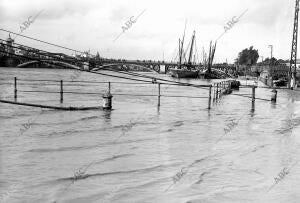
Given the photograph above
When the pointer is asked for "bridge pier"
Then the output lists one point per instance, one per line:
(166, 69)
(163, 69)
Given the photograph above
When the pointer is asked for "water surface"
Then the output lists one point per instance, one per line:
(132, 153)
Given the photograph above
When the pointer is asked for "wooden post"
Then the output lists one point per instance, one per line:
(61, 92)
(109, 87)
(253, 93)
(16, 90)
(209, 98)
(221, 88)
(274, 95)
(214, 97)
(217, 93)
(228, 86)
(158, 104)
(253, 98)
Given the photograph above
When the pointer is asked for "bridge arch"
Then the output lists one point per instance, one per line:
(67, 65)
(27, 64)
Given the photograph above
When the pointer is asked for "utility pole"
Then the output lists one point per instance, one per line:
(293, 61)
(271, 62)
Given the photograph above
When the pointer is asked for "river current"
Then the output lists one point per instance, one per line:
(178, 152)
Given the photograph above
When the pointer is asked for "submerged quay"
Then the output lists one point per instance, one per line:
(213, 145)
(149, 101)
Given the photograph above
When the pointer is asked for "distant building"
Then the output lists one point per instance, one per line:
(86, 65)
(287, 62)
(271, 71)
(20, 50)
(9, 45)
(2, 49)
(8, 58)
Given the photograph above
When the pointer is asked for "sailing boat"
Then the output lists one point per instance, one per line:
(185, 70)
(210, 72)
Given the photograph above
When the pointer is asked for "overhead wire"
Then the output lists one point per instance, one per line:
(132, 74)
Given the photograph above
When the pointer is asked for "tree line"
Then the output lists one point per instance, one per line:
(250, 56)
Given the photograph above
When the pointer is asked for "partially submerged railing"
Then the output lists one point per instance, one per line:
(65, 83)
(214, 91)
(222, 88)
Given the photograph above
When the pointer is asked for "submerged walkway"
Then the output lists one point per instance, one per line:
(70, 108)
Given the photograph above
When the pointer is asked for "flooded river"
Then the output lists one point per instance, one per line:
(179, 152)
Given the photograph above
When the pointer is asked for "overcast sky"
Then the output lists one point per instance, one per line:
(94, 24)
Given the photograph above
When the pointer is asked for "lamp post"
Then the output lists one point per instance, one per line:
(271, 47)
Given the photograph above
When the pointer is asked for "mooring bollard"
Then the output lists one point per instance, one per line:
(15, 91)
(107, 101)
(209, 97)
(274, 95)
(61, 92)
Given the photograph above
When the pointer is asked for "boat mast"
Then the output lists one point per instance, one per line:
(209, 59)
(179, 53)
(204, 57)
(191, 50)
(212, 50)
(181, 46)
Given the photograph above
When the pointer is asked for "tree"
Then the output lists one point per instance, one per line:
(248, 56)
(273, 61)
(97, 57)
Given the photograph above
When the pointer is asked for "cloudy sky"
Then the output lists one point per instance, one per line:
(94, 24)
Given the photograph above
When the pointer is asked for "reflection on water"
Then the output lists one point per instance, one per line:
(133, 153)
(107, 116)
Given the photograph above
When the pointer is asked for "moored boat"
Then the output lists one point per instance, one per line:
(184, 73)
(186, 69)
